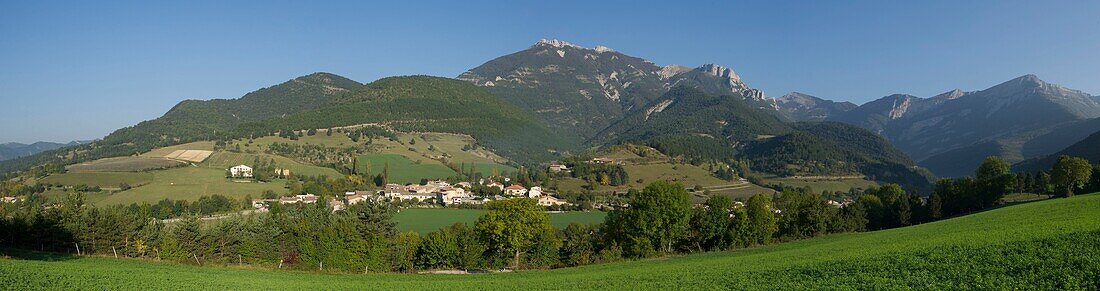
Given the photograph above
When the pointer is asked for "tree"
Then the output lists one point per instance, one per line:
(438, 249)
(658, 218)
(1069, 174)
(511, 227)
(995, 179)
(710, 225)
(761, 219)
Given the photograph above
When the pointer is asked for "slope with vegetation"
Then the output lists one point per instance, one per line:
(1005, 248)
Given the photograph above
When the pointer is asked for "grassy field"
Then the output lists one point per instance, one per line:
(428, 220)
(224, 160)
(190, 183)
(124, 164)
(101, 179)
(403, 170)
(1053, 244)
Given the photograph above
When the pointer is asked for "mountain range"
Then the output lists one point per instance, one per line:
(555, 97)
(13, 150)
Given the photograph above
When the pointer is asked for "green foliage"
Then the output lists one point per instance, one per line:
(1070, 174)
(512, 227)
(836, 149)
(657, 220)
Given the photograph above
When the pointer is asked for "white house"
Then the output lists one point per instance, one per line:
(535, 192)
(240, 171)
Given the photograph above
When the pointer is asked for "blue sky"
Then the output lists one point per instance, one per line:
(79, 70)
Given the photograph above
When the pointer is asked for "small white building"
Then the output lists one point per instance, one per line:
(240, 171)
(534, 192)
(558, 168)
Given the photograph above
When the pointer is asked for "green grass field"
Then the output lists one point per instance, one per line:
(190, 183)
(427, 220)
(225, 160)
(1052, 244)
(101, 179)
(124, 164)
(403, 170)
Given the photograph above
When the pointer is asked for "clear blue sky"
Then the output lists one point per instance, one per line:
(79, 70)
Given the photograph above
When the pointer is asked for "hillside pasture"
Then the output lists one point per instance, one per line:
(100, 179)
(190, 183)
(224, 160)
(402, 170)
(1005, 248)
(124, 164)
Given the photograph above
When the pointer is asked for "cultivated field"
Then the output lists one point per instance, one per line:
(428, 220)
(1006, 248)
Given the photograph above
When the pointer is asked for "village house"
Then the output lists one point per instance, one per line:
(307, 198)
(602, 161)
(240, 171)
(495, 185)
(515, 190)
(547, 200)
(262, 204)
(11, 199)
(336, 205)
(555, 167)
(535, 192)
(358, 198)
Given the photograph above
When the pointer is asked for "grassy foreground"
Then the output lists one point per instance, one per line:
(1053, 244)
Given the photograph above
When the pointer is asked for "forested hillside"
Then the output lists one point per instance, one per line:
(423, 103)
(689, 111)
(836, 149)
(193, 120)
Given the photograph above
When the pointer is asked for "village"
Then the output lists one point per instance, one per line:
(434, 192)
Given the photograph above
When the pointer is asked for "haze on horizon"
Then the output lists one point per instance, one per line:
(78, 71)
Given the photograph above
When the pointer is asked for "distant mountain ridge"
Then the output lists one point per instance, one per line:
(13, 150)
(952, 132)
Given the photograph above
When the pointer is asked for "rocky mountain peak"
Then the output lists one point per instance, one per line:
(720, 71)
(556, 43)
(949, 95)
(672, 70)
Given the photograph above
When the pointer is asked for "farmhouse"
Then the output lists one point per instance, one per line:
(262, 203)
(602, 161)
(240, 171)
(495, 184)
(555, 167)
(547, 200)
(357, 198)
(11, 199)
(307, 198)
(515, 190)
(336, 205)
